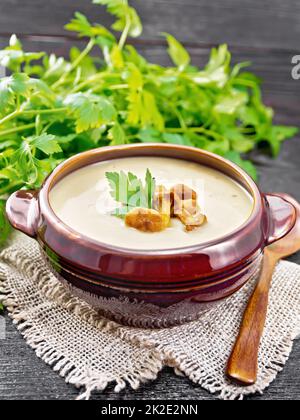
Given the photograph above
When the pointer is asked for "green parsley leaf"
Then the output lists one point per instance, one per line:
(142, 109)
(178, 53)
(45, 143)
(127, 16)
(182, 140)
(81, 24)
(117, 135)
(54, 68)
(231, 103)
(149, 135)
(150, 186)
(217, 71)
(129, 190)
(13, 56)
(91, 111)
(10, 87)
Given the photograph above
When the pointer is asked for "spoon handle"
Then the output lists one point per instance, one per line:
(243, 363)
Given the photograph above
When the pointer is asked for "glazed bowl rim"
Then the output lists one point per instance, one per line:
(64, 229)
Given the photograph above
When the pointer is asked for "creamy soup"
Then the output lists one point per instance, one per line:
(82, 200)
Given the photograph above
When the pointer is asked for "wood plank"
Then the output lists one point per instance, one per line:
(255, 23)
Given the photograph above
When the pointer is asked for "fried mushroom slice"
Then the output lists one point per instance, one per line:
(147, 220)
(183, 192)
(194, 221)
(184, 198)
(186, 207)
(190, 207)
(163, 201)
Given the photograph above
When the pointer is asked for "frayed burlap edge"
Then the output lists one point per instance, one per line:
(54, 291)
(160, 357)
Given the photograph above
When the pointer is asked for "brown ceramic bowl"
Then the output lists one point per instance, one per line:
(152, 288)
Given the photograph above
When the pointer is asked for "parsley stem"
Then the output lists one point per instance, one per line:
(180, 119)
(43, 111)
(125, 33)
(78, 60)
(32, 112)
(117, 87)
(92, 79)
(17, 129)
(196, 130)
(112, 87)
(9, 117)
(243, 82)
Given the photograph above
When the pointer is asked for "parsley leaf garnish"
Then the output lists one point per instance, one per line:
(130, 191)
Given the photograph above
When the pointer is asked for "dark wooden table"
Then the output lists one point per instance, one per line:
(265, 32)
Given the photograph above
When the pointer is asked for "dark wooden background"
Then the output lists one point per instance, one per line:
(265, 32)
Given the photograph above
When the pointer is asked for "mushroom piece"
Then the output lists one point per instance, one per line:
(192, 222)
(147, 220)
(182, 192)
(180, 202)
(186, 207)
(184, 198)
(163, 201)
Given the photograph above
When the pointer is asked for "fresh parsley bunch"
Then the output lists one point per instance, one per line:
(52, 108)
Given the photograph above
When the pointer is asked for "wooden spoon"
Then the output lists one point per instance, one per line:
(243, 363)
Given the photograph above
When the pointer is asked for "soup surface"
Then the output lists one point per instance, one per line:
(82, 201)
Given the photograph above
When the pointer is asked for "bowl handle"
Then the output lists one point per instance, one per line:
(282, 214)
(23, 213)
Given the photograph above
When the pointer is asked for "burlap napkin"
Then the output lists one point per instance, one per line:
(90, 352)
